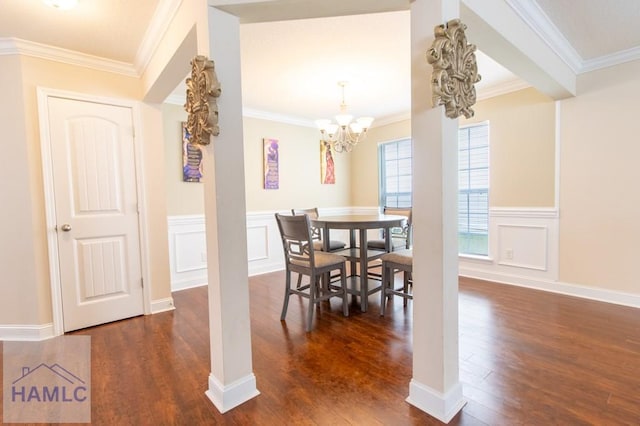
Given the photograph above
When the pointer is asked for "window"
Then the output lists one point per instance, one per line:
(395, 173)
(473, 190)
(473, 184)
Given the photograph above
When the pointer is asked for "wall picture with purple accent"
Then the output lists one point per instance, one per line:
(191, 158)
(270, 157)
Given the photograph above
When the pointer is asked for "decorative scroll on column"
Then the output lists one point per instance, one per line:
(203, 88)
(454, 70)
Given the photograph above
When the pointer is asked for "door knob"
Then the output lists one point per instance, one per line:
(66, 227)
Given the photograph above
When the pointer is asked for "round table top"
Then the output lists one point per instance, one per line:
(360, 221)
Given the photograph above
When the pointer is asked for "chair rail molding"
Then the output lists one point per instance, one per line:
(524, 251)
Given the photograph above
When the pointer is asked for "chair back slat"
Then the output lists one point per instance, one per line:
(313, 214)
(404, 232)
(296, 238)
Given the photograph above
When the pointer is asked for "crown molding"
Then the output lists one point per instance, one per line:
(612, 59)
(539, 22)
(281, 118)
(502, 89)
(158, 26)
(15, 46)
(175, 99)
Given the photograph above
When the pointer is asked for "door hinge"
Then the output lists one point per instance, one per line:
(142, 282)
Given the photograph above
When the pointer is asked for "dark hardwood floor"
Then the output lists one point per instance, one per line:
(526, 357)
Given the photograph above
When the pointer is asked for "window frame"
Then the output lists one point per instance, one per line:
(382, 193)
(486, 124)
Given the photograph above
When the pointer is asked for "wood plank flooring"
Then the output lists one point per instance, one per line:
(526, 358)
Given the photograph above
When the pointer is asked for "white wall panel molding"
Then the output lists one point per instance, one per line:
(187, 251)
(187, 244)
(548, 213)
(522, 242)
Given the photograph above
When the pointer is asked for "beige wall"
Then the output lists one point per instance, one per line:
(25, 296)
(21, 255)
(364, 161)
(599, 174)
(300, 187)
(522, 151)
(522, 148)
(183, 198)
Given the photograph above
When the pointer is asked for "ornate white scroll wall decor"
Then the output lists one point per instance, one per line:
(203, 88)
(454, 70)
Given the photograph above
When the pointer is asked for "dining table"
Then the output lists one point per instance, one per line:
(357, 251)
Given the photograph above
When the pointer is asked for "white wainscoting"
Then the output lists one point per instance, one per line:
(524, 251)
(188, 249)
(523, 247)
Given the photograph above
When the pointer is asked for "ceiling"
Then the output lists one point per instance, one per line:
(291, 68)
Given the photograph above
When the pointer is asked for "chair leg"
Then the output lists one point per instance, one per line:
(383, 290)
(405, 287)
(286, 296)
(345, 295)
(312, 300)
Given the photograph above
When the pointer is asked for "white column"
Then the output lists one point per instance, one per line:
(435, 387)
(231, 381)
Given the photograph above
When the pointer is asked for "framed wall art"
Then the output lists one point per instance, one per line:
(271, 155)
(327, 165)
(191, 158)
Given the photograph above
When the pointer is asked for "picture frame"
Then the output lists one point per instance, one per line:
(327, 164)
(191, 158)
(271, 158)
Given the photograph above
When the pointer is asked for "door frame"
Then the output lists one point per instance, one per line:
(49, 195)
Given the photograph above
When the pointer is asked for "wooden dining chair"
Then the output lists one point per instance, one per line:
(401, 237)
(395, 261)
(301, 257)
(318, 243)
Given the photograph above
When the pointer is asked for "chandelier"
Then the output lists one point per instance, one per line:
(347, 133)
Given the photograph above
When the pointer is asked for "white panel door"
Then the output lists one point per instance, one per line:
(96, 208)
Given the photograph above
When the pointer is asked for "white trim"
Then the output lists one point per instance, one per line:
(43, 95)
(441, 406)
(16, 46)
(502, 89)
(545, 252)
(391, 120)
(558, 145)
(280, 118)
(534, 16)
(157, 28)
(576, 290)
(176, 99)
(610, 60)
(32, 333)
(162, 305)
(230, 396)
(524, 212)
(143, 218)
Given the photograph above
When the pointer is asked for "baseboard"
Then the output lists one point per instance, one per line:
(441, 406)
(32, 333)
(162, 305)
(584, 292)
(230, 396)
